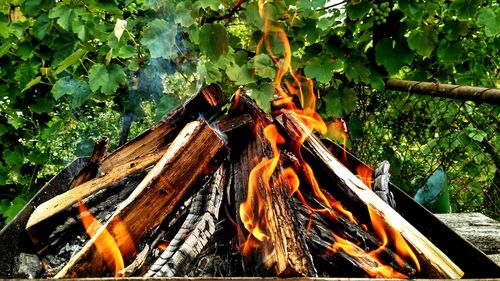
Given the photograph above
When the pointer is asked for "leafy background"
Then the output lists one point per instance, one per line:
(72, 71)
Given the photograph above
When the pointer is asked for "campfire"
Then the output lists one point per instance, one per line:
(238, 193)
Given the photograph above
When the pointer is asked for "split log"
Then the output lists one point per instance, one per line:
(195, 151)
(90, 170)
(208, 101)
(290, 255)
(433, 261)
(196, 230)
(39, 225)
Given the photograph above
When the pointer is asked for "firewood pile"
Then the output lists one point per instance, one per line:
(238, 192)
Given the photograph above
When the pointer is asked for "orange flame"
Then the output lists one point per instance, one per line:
(385, 233)
(110, 249)
(365, 174)
(252, 210)
(370, 263)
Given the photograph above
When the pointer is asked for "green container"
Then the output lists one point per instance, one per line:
(434, 194)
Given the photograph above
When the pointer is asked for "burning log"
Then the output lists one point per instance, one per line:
(434, 262)
(196, 230)
(208, 101)
(281, 246)
(40, 224)
(195, 150)
(90, 170)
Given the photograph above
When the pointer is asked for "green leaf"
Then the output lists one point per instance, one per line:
(159, 38)
(16, 205)
(465, 9)
(32, 83)
(340, 103)
(3, 129)
(70, 60)
(210, 72)
(17, 121)
(475, 133)
(183, 14)
(241, 75)
(449, 52)
(212, 4)
(412, 9)
(64, 16)
(71, 87)
(42, 105)
(322, 68)
(489, 17)
(393, 55)
(213, 40)
(356, 70)
(359, 10)
(4, 29)
(165, 106)
(42, 26)
(125, 52)
(14, 157)
(263, 94)
(106, 78)
(377, 81)
(423, 41)
(264, 66)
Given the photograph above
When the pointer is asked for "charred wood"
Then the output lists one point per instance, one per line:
(41, 222)
(433, 260)
(193, 153)
(198, 227)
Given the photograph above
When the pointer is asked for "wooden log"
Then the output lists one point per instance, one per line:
(196, 230)
(290, 255)
(39, 224)
(434, 262)
(90, 170)
(193, 153)
(208, 101)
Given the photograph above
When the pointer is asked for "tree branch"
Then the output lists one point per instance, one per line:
(476, 94)
(229, 14)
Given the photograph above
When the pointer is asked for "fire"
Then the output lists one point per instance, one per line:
(110, 249)
(370, 263)
(387, 235)
(252, 210)
(365, 174)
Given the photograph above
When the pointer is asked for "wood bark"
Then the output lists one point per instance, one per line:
(196, 230)
(290, 255)
(90, 170)
(208, 101)
(39, 224)
(433, 260)
(194, 152)
(476, 94)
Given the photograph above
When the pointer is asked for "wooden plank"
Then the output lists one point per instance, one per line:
(434, 262)
(189, 156)
(480, 230)
(39, 224)
(208, 101)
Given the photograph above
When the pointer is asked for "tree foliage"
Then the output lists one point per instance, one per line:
(69, 69)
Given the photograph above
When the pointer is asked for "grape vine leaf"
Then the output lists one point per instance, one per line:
(159, 38)
(64, 16)
(489, 17)
(465, 9)
(449, 52)
(392, 54)
(79, 90)
(264, 66)
(241, 75)
(70, 60)
(423, 41)
(212, 4)
(213, 40)
(322, 68)
(42, 26)
(106, 78)
(338, 103)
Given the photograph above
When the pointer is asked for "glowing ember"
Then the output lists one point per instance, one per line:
(110, 249)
